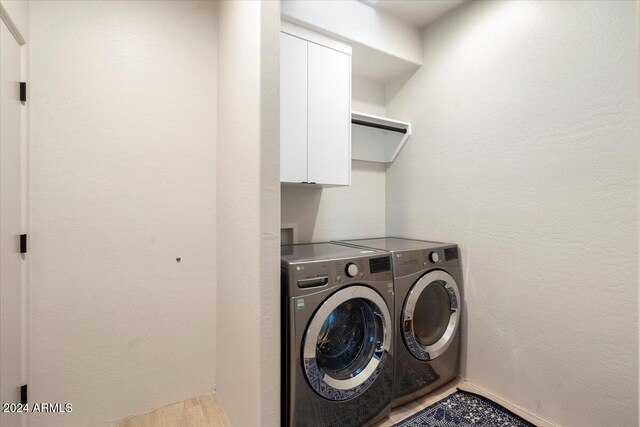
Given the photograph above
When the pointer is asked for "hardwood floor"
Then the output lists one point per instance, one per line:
(202, 411)
(206, 411)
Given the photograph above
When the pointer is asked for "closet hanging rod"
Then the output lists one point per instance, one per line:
(378, 126)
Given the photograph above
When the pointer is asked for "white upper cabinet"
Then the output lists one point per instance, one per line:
(329, 116)
(315, 108)
(293, 109)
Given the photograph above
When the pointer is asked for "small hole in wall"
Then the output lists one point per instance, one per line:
(178, 259)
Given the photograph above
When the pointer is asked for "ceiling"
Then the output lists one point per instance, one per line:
(418, 12)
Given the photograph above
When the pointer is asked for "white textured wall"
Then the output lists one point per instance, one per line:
(524, 151)
(123, 181)
(269, 310)
(18, 11)
(248, 379)
(352, 212)
(355, 211)
(367, 96)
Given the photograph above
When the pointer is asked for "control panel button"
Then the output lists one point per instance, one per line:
(351, 270)
(434, 257)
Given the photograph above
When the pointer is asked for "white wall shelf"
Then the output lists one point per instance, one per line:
(377, 139)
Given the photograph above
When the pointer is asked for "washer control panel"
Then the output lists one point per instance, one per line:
(347, 269)
(351, 270)
(313, 276)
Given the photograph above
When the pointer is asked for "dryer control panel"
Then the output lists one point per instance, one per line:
(408, 262)
(439, 255)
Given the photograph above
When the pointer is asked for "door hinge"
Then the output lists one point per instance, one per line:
(23, 91)
(23, 243)
(23, 395)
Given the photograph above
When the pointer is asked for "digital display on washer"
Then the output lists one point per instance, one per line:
(450, 253)
(377, 265)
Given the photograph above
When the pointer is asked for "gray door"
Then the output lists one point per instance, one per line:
(430, 315)
(347, 342)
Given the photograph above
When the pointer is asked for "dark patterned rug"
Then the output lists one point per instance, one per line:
(464, 409)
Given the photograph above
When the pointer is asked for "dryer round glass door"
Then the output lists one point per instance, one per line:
(347, 343)
(430, 315)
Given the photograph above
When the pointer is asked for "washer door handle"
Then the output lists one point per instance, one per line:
(408, 323)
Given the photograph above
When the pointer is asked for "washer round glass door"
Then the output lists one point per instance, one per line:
(347, 342)
(430, 315)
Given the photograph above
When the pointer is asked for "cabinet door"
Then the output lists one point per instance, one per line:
(329, 116)
(293, 109)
